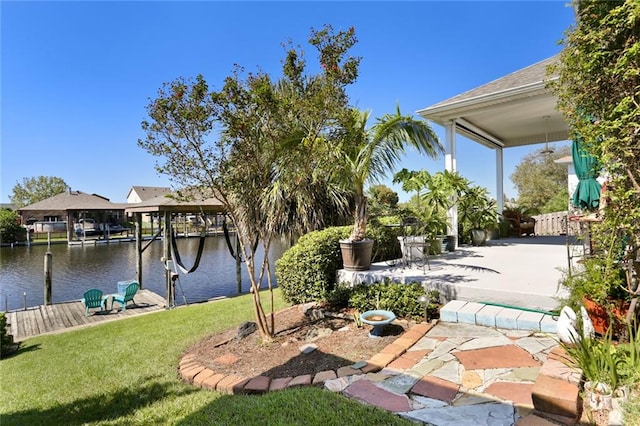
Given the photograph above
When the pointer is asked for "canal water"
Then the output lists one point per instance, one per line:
(78, 268)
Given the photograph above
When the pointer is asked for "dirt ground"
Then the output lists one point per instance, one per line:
(339, 340)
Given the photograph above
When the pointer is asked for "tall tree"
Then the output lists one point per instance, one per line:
(539, 180)
(382, 200)
(598, 93)
(260, 146)
(35, 189)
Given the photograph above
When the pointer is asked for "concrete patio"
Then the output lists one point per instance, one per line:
(519, 272)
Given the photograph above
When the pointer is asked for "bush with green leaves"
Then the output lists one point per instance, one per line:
(604, 361)
(6, 340)
(600, 280)
(10, 231)
(401, 299)
(307, 271)
(385, 241)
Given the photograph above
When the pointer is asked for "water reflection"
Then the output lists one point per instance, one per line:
(77, 268)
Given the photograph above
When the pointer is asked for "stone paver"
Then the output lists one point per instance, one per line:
(436, 388)
(485, 342)
(368, 392)
(449, 371)
(443, 348)
(498, 357)
(400, 383)
(518, 393)
(483, 414)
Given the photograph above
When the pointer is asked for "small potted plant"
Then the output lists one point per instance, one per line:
(608, 368)
(478, 213)
(599, 286)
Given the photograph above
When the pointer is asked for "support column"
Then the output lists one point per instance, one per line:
(450, 164)
(138, 220)
(499, 180)
(166, 249)
(70, 229)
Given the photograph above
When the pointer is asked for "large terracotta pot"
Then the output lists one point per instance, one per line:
(356, 255)
(601, 319)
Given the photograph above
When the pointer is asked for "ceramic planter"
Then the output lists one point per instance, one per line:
(599, 396)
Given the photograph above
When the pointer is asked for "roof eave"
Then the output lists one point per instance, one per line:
(442, 113)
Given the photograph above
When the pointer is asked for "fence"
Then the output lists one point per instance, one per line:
(554, 224)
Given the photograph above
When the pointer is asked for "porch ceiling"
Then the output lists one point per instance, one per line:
(506, 112)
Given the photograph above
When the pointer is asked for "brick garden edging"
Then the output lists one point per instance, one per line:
(556, 392)
(191, 371)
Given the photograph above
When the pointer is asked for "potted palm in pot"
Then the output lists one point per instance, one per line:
(365, 155)
(478, 212)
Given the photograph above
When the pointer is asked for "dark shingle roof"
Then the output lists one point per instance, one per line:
(532, 74)
(74, 200)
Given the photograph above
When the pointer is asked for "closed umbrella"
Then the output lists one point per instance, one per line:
(587, 194)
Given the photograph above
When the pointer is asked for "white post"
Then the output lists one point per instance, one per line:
(499, 180)
(451, 166)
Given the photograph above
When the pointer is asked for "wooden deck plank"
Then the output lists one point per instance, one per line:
(45, 319)
(66, 316)
(13, 323)
(40, 321)
(28, 323)
(54, 317)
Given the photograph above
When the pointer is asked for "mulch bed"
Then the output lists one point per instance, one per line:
(340, 342)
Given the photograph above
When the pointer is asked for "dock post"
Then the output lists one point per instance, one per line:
(48, 263)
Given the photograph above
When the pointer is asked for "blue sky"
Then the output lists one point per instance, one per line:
(76, 76)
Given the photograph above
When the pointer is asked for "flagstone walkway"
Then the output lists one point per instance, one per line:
(458, 374)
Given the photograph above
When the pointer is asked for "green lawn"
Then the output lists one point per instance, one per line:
(125, 372)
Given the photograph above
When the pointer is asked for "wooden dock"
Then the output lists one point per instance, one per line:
(45, 319)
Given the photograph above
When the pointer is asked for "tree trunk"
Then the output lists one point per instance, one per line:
(360, 226)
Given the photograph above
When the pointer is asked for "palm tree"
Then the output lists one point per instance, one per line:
(369, 154)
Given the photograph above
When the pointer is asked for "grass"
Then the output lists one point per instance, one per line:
(125, 373)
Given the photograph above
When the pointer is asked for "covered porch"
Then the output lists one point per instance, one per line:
(518, 272)
(515, 110)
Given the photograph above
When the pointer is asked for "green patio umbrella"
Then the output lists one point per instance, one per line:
(587, 194)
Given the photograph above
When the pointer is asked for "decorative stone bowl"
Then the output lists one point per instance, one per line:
(378, 319)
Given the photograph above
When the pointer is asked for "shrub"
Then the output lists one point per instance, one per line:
(307, 271)
(10, 231)
(6, 340)
(401, 299)
(386, 245)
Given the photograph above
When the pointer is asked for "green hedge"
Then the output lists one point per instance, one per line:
(6, 340)
(306, 272)
(401, 299)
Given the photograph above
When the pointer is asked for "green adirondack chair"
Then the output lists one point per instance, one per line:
(93, 298)
(127, 296)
